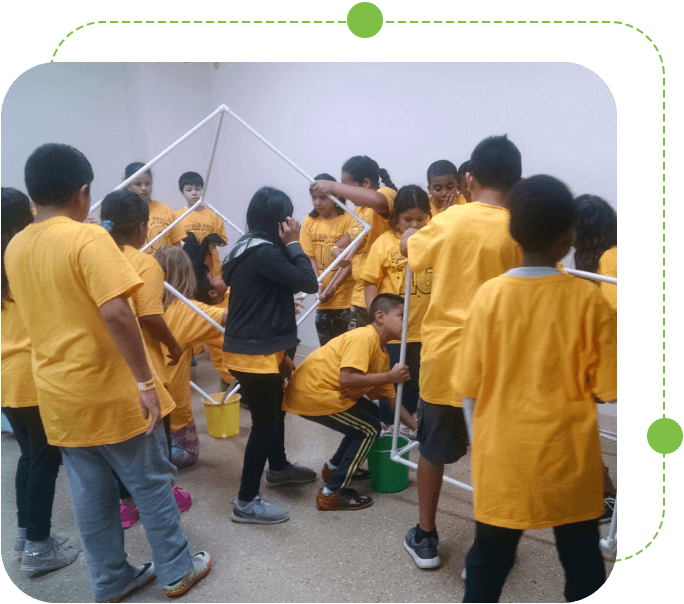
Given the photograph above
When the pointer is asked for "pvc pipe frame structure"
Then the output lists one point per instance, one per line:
(395, 455)
(221, 111)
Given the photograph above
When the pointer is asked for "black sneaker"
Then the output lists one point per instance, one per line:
(608, 510)
(423, 552)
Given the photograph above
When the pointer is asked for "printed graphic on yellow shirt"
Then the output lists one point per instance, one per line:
(161, 216)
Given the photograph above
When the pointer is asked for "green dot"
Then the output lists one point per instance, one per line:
(364, 20)
(664, 435)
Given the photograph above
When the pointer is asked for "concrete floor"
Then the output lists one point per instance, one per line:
(315, 556)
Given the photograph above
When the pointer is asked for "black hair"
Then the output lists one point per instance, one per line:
(462, 170)
(133, 168)
(409, 197)
(198, 252)
(54, 173)
(325, 176)
(496, 163)
(384, 302)
(596, 231)
(16, 216)
(361, 167)
(122, 212)
(190, 178)
(267, 209)
(441, 167)
(542, 209)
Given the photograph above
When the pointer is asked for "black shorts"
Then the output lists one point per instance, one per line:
(442, 433)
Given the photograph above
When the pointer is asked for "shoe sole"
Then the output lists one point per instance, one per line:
(190, 585)
(422, 562)
(241, 520)
(341, 509)
(284, 482)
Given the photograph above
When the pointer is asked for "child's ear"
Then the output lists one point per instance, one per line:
(392, 218)
(366, 183)
(379, 317)
(213, 296)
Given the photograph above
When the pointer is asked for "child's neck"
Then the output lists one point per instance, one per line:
(47, 212)
(491, 197)
(538, 259)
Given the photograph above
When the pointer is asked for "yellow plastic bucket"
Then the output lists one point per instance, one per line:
(223, 420)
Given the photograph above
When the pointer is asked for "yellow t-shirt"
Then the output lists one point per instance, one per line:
(18, 389)
(161, 216)
(386, 268)
(465, 245)
(318, 238)
(608, 267)
(202, 223)
(378, 226)
(533, 352)
(314, 388)
(189, 329)
(147, 300)
(252, 363)
(60, 273)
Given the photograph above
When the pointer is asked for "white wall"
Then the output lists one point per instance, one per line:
(404, 115)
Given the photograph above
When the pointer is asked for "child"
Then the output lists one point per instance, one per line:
(190, 329)
(264, 270)
(87, 357)
(385, 272)
(325, 225)
(463, 191)
(466, 245)
(125, 216)
(161, 216)
(596, 252)
(201, 221)
(329, 388)
(442, 177)
(361, 184)
(538, 345)
(39, 549)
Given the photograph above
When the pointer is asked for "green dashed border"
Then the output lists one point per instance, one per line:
(621, 23)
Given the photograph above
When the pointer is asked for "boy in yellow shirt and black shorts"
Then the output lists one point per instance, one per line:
(330, 388)
(538, 348)
(465, 245)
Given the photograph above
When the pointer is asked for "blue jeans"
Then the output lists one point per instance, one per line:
(143, 465)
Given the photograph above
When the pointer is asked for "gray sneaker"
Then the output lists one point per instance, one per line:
(20, 543)
(144, 574)
(293, 474)
(46, 555)
(258, 511)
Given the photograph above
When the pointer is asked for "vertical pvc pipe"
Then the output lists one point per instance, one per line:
(213, 154)
(402, 359)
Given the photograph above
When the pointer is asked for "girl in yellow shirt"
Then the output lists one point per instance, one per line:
(190, 329)
(125, 216)
(39, 462)
(325, 225)
(361, 178)
(161, 215)
(385, 272)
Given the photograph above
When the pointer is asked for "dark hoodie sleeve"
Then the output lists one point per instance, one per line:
(294, 270)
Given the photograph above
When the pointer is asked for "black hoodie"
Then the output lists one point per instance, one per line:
(263, 280)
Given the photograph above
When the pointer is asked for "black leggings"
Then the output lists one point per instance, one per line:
(36, 472)
(263, 393)
(492, 555)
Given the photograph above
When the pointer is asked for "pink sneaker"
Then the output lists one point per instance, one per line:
(129, 516)
(183, 499)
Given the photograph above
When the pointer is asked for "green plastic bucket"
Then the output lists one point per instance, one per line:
(386, 475)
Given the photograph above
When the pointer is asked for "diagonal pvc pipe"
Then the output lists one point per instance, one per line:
(590, 276)
(163, 154)
(173, 224)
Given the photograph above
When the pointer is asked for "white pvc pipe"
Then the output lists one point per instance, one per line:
(213, 154)
(208, 397)
(402, 360)
(199, 311)
(222, 217)
(590, 276)
(410, 464)
(173, 224)
(608, 436)
(163, 154)
(610, 541)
